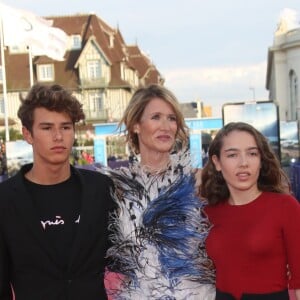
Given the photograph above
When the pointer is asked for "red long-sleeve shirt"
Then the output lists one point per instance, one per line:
(252, 244)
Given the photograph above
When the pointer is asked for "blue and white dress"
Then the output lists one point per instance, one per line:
(159, 234)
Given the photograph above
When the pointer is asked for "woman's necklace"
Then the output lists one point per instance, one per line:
(157, 169)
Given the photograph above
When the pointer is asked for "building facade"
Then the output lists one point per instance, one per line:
(283, 71)
(98, 67)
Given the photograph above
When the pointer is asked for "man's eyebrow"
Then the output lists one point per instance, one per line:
(51, 123)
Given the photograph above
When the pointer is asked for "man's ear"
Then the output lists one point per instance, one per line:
(27, 135)
(216, 162)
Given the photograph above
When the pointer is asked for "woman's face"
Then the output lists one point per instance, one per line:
(239, 162)
(157, 128)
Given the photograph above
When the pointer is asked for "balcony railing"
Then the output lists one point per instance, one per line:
(96, 116)
(94, 83)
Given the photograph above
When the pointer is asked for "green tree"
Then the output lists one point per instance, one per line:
(14, 135)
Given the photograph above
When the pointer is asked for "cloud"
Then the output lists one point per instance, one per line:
(218, 85)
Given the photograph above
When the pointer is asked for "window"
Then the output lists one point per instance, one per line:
(122, 71)
(16, 49)
(95, 102)
(76, 41)
(94, 69)
(293, 95)
(2, 108)
(111, 41)
(45, 72)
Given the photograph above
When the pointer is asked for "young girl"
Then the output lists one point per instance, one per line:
(255, 239)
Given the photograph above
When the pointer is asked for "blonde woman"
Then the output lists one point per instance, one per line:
(159, 232)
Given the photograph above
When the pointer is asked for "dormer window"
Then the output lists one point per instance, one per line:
(94, 69)
(45, 72)
(122, 71)
(16, 49)
(76, 42)
(111, 41)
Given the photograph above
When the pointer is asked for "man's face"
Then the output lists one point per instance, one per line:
(52, 136)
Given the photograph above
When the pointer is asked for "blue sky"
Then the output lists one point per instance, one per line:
(214, 51)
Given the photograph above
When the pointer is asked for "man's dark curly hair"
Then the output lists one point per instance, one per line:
(53, 98)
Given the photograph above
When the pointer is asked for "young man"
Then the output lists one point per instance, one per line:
(53, 217)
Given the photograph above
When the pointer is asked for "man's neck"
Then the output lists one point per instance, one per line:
(48, 174)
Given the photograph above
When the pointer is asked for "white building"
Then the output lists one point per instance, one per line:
(283, 68)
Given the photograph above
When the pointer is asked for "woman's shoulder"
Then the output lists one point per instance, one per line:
(282, 202)
(213, 209)
(280, 197)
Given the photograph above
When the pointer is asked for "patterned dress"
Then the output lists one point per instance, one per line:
(159, 234)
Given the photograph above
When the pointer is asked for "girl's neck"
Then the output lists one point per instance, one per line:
(243, 197)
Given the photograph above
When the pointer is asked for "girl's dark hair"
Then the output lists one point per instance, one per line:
(271, 178)
(53, 98)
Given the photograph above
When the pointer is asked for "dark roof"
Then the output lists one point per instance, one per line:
(17, 72)
(143, 65)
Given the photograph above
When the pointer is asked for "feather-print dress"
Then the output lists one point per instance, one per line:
(159, 234)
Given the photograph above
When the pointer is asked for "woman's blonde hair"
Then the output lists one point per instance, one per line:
(136, 107)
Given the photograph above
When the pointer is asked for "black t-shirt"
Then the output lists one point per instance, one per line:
(58, 208)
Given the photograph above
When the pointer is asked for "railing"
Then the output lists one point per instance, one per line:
(94, 83)
(100, 115)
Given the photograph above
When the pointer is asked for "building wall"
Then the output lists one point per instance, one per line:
(284, 58)
(116, 102)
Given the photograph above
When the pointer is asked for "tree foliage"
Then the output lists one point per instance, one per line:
(14, 135)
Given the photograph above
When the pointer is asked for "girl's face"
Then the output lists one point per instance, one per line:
(239, 162)
(157, 128)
